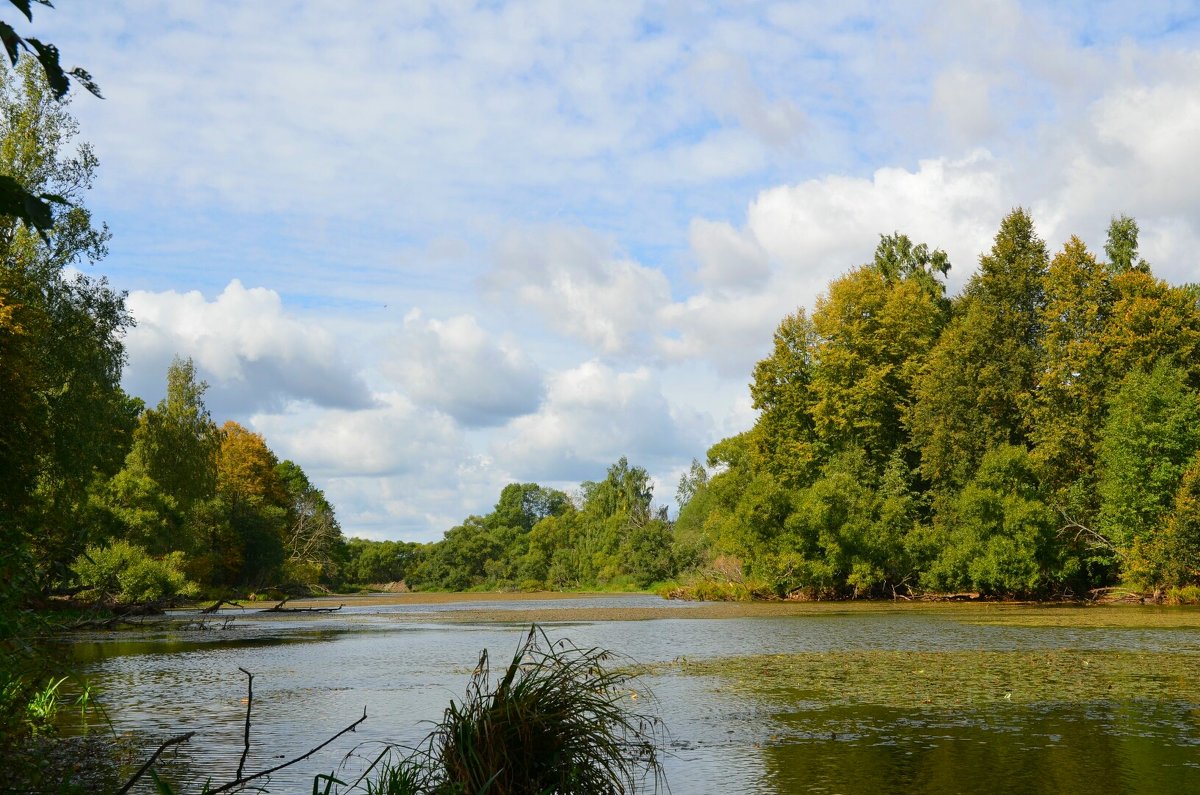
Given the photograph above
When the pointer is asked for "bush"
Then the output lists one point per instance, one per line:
(127, 574)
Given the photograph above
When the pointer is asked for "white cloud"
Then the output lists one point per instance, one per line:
(254, 354)
(458, 368)
(394, 470)
(812, 232)
(394, 437)
(592, 416)
(728, 260)
(580, 286)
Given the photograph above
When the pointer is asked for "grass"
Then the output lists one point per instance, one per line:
(559, 719)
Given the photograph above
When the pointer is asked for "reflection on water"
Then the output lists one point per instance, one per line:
(313, 675)
(1102, 748)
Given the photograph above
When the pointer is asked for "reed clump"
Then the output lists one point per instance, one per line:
(560, 719)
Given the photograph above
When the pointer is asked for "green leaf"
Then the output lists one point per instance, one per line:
(24, 7)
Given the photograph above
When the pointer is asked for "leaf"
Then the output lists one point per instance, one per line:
(24, 7)
(12, 42)
(47, 54)
(85, 79)
(32, 208)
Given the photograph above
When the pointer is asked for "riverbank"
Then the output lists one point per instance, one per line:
(572, 607)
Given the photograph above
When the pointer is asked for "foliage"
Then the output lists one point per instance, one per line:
(1029, 437)
(126, 574)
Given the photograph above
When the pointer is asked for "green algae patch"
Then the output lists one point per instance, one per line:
(948, 679)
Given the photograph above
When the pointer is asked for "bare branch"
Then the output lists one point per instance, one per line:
(176, 740)
(249, 704)
(243, 781)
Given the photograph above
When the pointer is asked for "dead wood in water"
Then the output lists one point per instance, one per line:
(279, 608)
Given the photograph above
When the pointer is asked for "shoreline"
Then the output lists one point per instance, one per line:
(1012, 613)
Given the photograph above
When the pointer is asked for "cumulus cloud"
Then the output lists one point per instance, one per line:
(458, 368)
(393, 470)
(592, 416)
(393, 437)
(254, 353)
(796, 238)
(580, 286)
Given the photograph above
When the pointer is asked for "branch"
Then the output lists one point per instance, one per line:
(242, 781)
(1095, 539)
(217, 606)
(181, 738)
(249, 704)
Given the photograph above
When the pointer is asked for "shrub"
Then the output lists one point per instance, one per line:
(127, 574)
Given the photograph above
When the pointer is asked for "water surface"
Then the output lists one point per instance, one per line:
(315, 673)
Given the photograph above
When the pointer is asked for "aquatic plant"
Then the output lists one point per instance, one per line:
(560, 719)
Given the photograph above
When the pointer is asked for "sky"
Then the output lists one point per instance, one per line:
(429, 249)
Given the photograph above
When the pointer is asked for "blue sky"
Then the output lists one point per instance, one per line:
(431, 248)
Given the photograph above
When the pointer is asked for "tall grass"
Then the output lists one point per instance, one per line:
(560, 719)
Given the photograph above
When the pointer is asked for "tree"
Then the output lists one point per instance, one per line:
(974, 390)
(998, 535)
(67, 421)
(1149, 439)
(176, 443)
(874, 328)
(313, 542)
(784, 435)
(1074, 377)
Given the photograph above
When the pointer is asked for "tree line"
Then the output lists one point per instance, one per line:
(1036, 435)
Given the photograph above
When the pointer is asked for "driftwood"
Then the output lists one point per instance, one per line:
(198, 624)
(279, 608)
(217, 606)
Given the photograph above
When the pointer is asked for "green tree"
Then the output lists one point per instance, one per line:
(784, 435)
(974, 391)
(1150, 437)
(31, 204)
(66, 420)
(998, 535)
(1074, 378)
(177, 444)
(874, 328)
(313, 543)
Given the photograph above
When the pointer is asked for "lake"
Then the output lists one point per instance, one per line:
(822, 698)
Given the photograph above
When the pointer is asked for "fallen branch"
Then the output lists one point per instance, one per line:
(217, 606)
(279, 608)
(176, 740)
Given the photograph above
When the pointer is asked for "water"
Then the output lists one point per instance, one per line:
(314, 675)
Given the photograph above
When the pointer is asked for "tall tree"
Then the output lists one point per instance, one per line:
(975, 389)
(67, 419)
(1074, 377)
(874, 328)
(784, 435)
